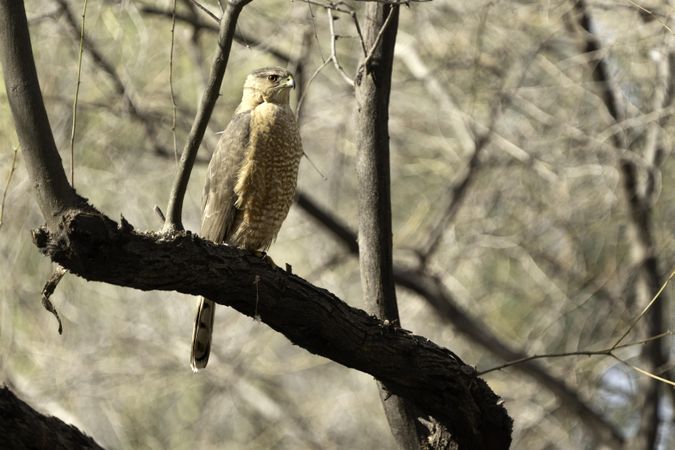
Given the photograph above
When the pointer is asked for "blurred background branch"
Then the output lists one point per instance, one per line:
(640, 217)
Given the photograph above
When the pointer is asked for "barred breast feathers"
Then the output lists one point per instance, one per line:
(267, 179)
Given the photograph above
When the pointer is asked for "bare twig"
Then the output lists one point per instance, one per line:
(206, 10)
(299, 69)
(359, 33)
(314, 31)
(173, 97)
(650, 13)
(208, 102)
(77, 95)
(301, 66)
(333, 49)
(306, 88)
(646, 372)
(365, 64)
(341, 8)
(609, 351)
(604, 352)
(644, 311)
(9, 180)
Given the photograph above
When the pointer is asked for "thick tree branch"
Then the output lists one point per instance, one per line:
(228, 24)
(54, 193)
(21, 427)
(92, 246)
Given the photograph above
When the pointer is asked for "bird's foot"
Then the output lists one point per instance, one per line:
(265, 257)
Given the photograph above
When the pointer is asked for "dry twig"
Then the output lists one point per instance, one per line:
(9, 180)
(173, 97)
(333, 48)
(77, 95)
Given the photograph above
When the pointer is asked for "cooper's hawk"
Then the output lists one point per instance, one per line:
(251, 180)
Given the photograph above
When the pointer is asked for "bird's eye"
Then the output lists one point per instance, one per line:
(273, 77)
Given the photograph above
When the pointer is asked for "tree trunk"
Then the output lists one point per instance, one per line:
(375, 233)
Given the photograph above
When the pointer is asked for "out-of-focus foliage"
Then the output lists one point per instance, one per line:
(539, 249)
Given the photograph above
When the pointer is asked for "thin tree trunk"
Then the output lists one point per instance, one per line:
(375, 233)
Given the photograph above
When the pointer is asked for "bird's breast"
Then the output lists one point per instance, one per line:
(267, 180)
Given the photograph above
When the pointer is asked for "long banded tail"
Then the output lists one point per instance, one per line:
(201, 335)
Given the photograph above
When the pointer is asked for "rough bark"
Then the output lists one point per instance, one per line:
(21, 427)
(436, 380)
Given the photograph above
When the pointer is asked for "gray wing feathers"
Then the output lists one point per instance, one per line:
(219, 215)
(219, 212)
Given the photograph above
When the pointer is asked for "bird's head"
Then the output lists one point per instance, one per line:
(270, 84)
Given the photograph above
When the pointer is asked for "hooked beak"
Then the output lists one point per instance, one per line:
(290, 82)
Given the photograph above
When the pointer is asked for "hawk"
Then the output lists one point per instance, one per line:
(251, 180)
